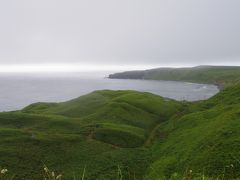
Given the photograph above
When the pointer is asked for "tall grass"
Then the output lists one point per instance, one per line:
(4, 174)
(187, 175)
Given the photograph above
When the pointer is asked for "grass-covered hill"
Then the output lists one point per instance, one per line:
(98, 132)
(125, 135)
(220, 75)
(205, 140)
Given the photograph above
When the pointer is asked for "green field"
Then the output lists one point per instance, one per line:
(125, 134)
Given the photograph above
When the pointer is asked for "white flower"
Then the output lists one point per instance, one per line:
(46, 169)
(190, 171)
(3, 171)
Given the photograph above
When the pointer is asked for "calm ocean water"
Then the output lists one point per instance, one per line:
(18, 90)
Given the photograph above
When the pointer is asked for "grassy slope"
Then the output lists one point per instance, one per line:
(220, 75)
(98, 131)
(107, 129)
(205, 140)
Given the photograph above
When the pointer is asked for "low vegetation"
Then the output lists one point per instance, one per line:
(99, 132)
(124, 135)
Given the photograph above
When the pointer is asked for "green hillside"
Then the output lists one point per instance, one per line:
(99, 131)
(128, 134)
(219, 75)
(205, 140)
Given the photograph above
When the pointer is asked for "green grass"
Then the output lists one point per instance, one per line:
(99, 132)
(144, 135)
(120, 135)
(205, 140)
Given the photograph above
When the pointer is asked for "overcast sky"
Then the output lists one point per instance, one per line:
(120, 32)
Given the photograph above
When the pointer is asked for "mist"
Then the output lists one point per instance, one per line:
(128, 33)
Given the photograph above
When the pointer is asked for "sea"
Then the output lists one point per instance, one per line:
(18, 90)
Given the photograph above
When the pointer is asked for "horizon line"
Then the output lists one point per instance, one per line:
(77, 67)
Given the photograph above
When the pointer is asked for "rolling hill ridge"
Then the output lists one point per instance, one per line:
(97, 131)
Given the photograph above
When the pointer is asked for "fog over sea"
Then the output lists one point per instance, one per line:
(20, 90)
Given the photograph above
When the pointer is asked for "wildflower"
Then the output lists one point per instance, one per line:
(190, 171)
(46, 169)
(3, 171)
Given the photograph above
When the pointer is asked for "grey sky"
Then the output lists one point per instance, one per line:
(120, 32)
